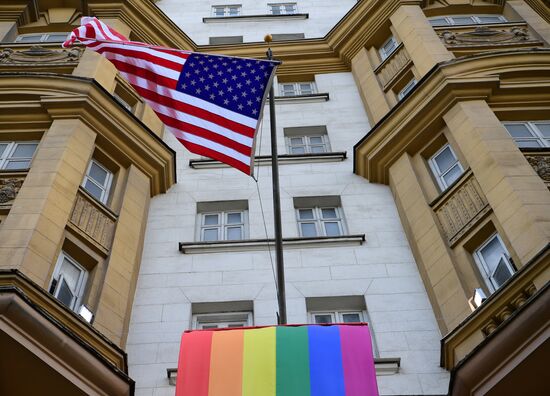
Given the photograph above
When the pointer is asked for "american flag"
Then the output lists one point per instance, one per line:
(211, 103)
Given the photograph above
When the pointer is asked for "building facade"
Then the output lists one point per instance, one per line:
(413, 141)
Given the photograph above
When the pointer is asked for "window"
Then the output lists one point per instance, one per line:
(388, 48)
(494, 262)
(298, 88)
(287, 36)
(530, 134)
(319, 216)
(283, 8)
(445, 166)
(68, 282)
(226, 10)
(223, 220)
(337, 317)
(222, 320)
(408, 88)
(467, 20)
(42, 38)
(16, 155)
(98, 181)
(225, 40)
(307, 140)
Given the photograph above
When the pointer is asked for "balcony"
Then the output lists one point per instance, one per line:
(539, 159)
(460, 207)
(393, 67)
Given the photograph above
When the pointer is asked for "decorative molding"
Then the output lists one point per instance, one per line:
(253, 18)
(283, 160)
(9, 188)
(485, 35)
(541, 165)
(93, 219)
(264, 244)
(40, 55)
(394, 65)
(460, 207)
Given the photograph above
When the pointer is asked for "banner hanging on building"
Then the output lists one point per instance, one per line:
(211, 103)
(301, 360)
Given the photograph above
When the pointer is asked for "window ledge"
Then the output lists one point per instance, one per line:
(311, 98)
(263, 244)
(336, 156)
(253, 18)
(383, 366)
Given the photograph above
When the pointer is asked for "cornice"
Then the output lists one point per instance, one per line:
(412, 121)
(119, 131)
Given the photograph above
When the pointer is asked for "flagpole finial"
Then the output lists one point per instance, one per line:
(268, 38)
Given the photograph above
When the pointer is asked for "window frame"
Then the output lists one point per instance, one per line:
(283, 8)
(382, 51)
(407, 88)
(6, 155)
(222, 226)
(106, 189)
(483, 266)
(226, 10)
(43, 37)
(337, 316)
(307, 145)
(439, 176)
(222, 320)
(319, 221)
(533, 128)
(81, 283)
(297, 88)
(476, 20)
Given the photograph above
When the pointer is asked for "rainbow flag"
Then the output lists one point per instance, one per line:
(302, 360)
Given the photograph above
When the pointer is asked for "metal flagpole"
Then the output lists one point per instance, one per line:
(281, 298)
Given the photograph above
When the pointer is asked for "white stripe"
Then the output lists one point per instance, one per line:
(140, 48)
(181, 97)
(98, 34)
(108, 32)
(184, 117)
(189, 137)
(144, 64)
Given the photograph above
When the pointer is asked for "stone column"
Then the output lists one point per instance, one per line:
(115, 303)
(535, 21)
(374, 98)
(32, 233)
(431, 251)
(419, 38)
(518, 196)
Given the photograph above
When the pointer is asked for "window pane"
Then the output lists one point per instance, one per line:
(452, 175)
(71, 274)
(296, 141)
(204, 327)
(297, 150)
(306, 214)
(64, 294)
(234, 218)
(318, 149)
(234, 233)
(528, 143)
(544, 129)
(33, 38)
(351, 318)
(235, 325)
(58, 37)
(518, 130)
(316, 140)
(389, 46)
(2, 148)
(463, 20)
(329, 213)
(445, 159)
(322, 319)
(24, 150)
(492, 254)
(306, 89)
(275, 9)
(308, 230)
(93, 189)
(18, 164)
(439, 22)
(502, 273)
(98, 174)
(210, 234)
(332, 229)
(489, 19)
(211, 219)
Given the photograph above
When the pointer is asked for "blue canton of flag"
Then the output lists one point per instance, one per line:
(236, 84)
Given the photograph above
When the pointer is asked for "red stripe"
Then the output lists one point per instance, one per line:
(128, 52)
(205, 133)
(194, 364)
(195, 111)
(147, 74)
(207, 152)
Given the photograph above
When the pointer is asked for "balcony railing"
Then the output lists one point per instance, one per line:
(460, 207)
(393, 66)
(10, 184)
(94, 220)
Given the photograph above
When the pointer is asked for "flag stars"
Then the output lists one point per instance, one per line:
(235, 98)
(207, 87)
(240, 106)
(249, 102)
(212, 96)
(226, 102)
(198, 90)
(202, 79)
